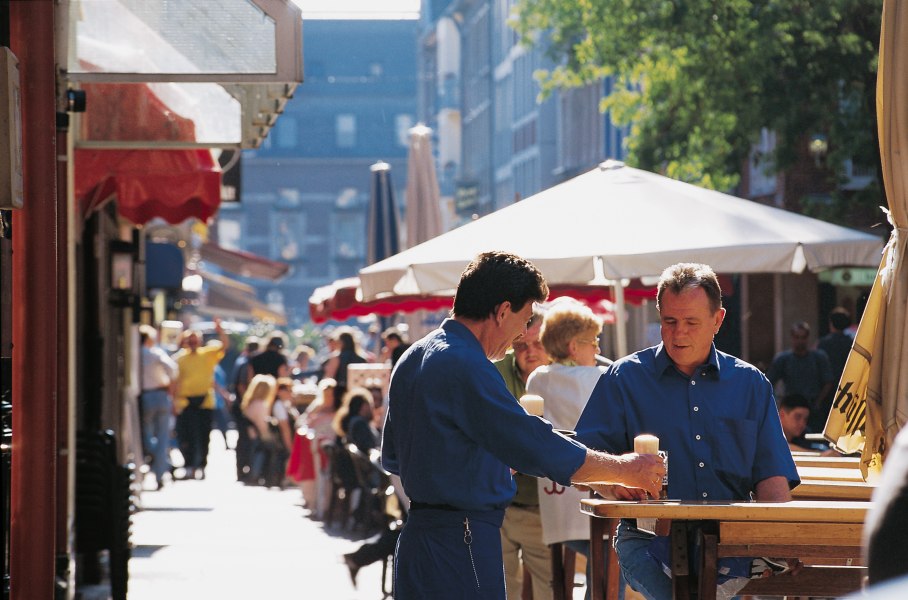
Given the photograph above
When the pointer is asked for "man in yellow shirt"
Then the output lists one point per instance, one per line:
(195, 400)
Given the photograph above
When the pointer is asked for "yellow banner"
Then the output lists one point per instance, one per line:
(847, 424)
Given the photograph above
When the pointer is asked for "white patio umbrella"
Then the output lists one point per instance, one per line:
(872, 399)
(616, 222)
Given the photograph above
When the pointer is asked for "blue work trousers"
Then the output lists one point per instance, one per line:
(438, 558)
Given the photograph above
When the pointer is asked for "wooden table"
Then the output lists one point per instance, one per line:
(833, 489)
(836, 462)
(802, 529)
(829, 474)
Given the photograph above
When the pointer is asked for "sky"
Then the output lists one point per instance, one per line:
(359, 9)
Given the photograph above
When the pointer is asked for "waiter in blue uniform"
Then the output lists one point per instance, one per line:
(453, 432)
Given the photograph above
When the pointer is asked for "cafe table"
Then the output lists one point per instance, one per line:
(835, 462)
(829, 473)
(825, 535)
(833, 489)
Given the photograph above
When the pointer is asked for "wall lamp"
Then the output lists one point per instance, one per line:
(123, 257)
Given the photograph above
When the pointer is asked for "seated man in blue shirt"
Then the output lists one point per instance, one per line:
(714, 415)
(453, 431)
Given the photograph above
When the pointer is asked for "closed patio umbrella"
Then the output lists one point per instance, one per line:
(423, 211)
(875, 379)
(383, 226)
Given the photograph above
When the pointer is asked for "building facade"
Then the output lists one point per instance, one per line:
(305, 192)
(497, 141)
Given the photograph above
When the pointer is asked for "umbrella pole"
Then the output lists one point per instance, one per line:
(777, 308)
(620, 319)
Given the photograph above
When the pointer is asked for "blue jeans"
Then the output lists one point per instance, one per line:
(641, 571)
(647, 575)
(156, 409)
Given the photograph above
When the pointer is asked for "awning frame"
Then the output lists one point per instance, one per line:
(288, 56)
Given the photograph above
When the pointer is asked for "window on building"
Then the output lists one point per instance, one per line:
(287, 197)
(349, 236)
(228, 232)
(290, 229)
(345, 131)
(763, 180)
(402, 125)
(258, 223)
(286, 132)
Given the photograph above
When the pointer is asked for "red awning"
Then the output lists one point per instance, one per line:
(242, 263)
(172, 184)
(342, 300)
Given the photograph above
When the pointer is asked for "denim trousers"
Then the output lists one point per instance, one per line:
(647, 575)
(156, 409)
(641, 571)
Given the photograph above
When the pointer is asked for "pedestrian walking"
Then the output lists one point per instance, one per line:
(195, 401)
(159, 373)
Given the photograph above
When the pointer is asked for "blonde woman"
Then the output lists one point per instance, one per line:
(570, 335)
(264, 431)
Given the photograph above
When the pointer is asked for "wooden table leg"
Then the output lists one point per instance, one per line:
(709, 557)
(597, 557)
(680, 561)
(557, 558)
(612, 575)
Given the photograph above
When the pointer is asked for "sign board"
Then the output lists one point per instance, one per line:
(372, 376)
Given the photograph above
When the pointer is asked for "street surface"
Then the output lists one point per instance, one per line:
(219, 539)
(222, 540)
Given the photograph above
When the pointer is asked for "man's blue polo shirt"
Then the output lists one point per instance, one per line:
(453, 429)
(720, 426)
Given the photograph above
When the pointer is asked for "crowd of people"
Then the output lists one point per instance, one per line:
(272, 398)
(291, 411)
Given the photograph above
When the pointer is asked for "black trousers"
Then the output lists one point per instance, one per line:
(193, 432)
(381, 548)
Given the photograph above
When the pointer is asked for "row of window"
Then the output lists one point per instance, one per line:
(287, 134)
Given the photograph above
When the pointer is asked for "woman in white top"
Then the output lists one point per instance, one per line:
(570, 335)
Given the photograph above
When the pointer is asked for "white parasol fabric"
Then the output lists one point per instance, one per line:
(871, 404)
(423, 210)
(617, 222)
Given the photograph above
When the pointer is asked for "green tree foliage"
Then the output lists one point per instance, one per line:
(698, 79)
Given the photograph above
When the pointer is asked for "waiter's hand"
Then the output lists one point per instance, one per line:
(644, 471)
(612, 491)
(600, 469)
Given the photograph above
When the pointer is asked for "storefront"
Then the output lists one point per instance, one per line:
(121, 103)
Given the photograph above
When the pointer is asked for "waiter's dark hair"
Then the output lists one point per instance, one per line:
(496, 277)
(681, 276)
